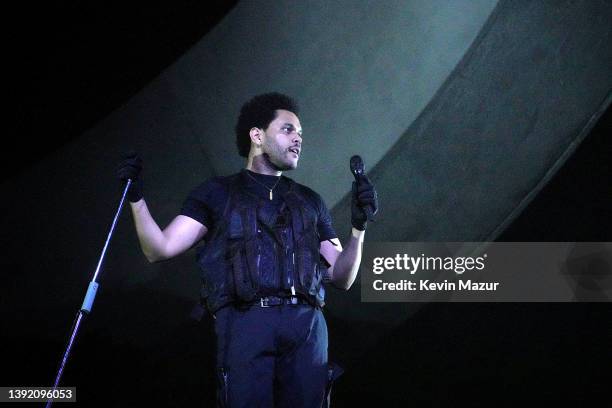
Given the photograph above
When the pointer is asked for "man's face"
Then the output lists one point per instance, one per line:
(282, 141)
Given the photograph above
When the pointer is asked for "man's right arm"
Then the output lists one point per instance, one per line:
(157, 245)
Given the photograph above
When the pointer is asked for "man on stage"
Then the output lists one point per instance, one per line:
(269, 247)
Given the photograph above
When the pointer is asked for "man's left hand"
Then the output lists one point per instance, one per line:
(363, 196)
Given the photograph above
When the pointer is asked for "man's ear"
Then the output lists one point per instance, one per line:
(255, 134)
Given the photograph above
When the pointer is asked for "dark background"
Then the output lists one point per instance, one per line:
(75, 63)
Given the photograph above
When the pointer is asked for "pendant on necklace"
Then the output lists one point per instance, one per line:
(270, 195)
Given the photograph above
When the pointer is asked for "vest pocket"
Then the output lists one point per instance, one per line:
(214, 270)
(307, 269)
(243, 278)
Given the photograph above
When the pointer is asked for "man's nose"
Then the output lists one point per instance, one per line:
(297, 138)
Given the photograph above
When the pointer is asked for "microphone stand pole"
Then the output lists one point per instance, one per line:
(89, 296)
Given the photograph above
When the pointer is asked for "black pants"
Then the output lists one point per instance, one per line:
(271, 356)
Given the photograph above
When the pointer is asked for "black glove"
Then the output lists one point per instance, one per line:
(130, 168)
(364, 195)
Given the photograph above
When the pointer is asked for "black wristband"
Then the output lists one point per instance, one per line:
(135, 193)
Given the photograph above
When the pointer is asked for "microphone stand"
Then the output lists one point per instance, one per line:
(89, 297)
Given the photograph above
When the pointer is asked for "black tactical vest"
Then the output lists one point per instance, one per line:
(251, 253)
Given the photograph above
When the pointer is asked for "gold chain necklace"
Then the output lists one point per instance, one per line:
(267, 188)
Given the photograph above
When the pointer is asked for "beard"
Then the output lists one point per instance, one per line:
(278, 159)
(279, 165)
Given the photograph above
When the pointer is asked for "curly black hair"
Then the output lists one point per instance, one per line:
(258, 112)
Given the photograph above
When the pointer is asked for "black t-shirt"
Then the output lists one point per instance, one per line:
(206, 202)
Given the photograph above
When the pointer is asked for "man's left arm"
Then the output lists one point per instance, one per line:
(344, 263)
